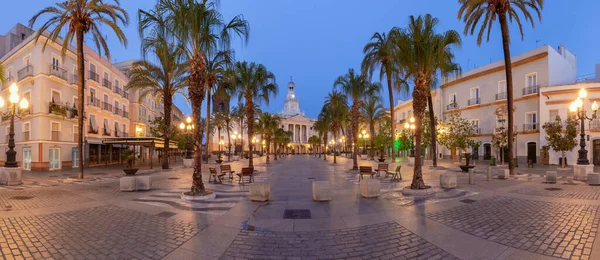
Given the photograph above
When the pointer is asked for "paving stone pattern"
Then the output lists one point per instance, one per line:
(107, 232)
(39, 198)
(553, 229)
(224, 201)
(579, 191)
(380, 241)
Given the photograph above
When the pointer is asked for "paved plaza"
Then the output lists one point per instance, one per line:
(520, 218)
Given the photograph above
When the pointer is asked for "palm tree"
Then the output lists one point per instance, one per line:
(471, 12)
(221, 121)
(356, 87)
(238, 114)
(314, 142)
(78, 18)
(372, 111)
(336, 110)
(163, 79)
(200, 29)
(422, 54)
(268, 124)
(379, 54)
(255, 84)
(322, 128)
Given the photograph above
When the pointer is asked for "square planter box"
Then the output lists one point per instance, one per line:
(143, 183)
(321, 191)
(370, 188)
(260, 191)
(128, 183)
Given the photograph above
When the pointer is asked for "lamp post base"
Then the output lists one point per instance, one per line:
(10, 176)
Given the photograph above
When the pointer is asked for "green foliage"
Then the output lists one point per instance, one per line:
(426, 130)
(561, 138)
(455, 132)
(500, 137)
(128, 155)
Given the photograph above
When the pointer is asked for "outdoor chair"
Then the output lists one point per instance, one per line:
(246, 172)
(395, 175)
(382, 167)
(366, 170)
(214, 176)
(226, 169)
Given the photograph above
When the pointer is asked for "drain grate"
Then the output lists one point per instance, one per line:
(468, 201)
(297, 214)
(166, 214)
(173, 178)
(553, 189)
(312, 178)
(21, 198)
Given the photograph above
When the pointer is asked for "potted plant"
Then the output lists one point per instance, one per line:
(219, 159)
(467, 166)
(129, 156)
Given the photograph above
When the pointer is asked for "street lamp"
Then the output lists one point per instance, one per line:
(234, 137)
(187, 127)
(410, 128)
(255, 141)
(363, 135)
(581, 114)
(13, 110)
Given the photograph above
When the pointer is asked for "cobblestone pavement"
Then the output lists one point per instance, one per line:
(224, 201)
(553, 229)
(379, 241)
(27, 199)
(107, 232)
(563, 189)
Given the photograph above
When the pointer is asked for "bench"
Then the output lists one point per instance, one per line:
(365, 170)
(246, 172)
(214, 176)
(395, 175)
(226, 169)
(382, 167)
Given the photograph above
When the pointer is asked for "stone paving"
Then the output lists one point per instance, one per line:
(379, 241)
(563, 189)
(554, 229)
(28, 199)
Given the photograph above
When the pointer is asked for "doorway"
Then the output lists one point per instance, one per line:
(531, 152)
(27, 158)
(54, 158)
(487, 151)
(75, 157)
(596, 152)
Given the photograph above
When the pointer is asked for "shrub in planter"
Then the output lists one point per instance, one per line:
(129, 156)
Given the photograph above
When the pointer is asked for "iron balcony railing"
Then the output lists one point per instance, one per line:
(125, 134)
(473, 101)
(504, 128)
(55, 135)
(476, 130)
(55, 70)
(117, 133)
(57, 109)
(530, 90)
(501, 96)
(106, 106)
(530, 127)
(125, 114)
(587, 78)
(117, 111)
(94, 102)
(118, 90)
(107, 84)
(452, 106)
(25, 72)
(106, 131)
(94, 76)
(125, 94)
(74, 79)
(9, 80)
(92, 129)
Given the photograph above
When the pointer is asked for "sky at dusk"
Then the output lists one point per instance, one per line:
(316, 41)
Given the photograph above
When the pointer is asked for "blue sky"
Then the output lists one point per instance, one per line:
(316, 41)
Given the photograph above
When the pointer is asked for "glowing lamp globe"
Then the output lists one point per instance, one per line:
(13, 89)
(24, 104)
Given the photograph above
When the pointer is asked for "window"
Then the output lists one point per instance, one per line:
(117, 83)
(452, 99)
(502, 86)
(55, 96)
(124, 129)
(403, 115)
(92, 94)
(409, 113)
(55, 63)
(475, 124)
(26, 127)
(93, 122)
(26, 60)
(530, 121)
(105, 75)
(117, 128)
(474, 93)
(55, 127)
(532, 80)
(92, 68)
(105, 98)
(75, 102)
(553, 115)
(9, 73)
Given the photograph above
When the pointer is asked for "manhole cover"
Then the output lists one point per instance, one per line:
(296, 214)
(173, 178)
(21, 198)
(553, 189)
(468, 201)
(166, 214)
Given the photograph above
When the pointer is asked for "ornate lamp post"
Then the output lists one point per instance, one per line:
(410, 128)
(235, 136)
(581, 115)
(13, 110)
(187, 127)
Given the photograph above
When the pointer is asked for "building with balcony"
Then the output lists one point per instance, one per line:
(46, 135)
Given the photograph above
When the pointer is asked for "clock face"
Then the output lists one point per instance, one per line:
(293, 96)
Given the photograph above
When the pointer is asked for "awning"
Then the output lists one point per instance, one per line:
(153, 142)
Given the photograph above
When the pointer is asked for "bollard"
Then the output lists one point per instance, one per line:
(488, 173)
(471, 173)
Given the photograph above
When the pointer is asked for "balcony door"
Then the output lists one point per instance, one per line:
(54, 159)
(27, 158)
(75, 157)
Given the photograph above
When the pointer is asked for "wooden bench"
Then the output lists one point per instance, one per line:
(365, 170)
(246, 172)
(382, 167)
(226, 169)
(214, 176)
(395, 175)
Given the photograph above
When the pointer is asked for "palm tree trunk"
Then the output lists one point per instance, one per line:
(228, 143)
(432, 129)
(268, 148)
(509, 89)
(196, 81)
(355, 118)
(250, 118)
(372, 139)
(391, 96)
(168, 103)
(334, 151)
(80, 99)
(419, 104)
(325, 148)
(207, 120)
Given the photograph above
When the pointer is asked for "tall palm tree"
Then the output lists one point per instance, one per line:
(422, 54)
(220, 122)
(78, 18)
(163, 79)
(372, 112)
(322, 126)
(199, 27)
(336, 109)
(379, 55)
(254, 84)
(356, 87)
(505, 11)
(268, 123)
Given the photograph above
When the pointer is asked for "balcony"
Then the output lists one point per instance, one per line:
(107, 106)
(94, 102)
(500, 129)
(117, 133)
(594, 125)
(92, 129)
(55, 70)
(55, 136)
(531, 90)
(117, 111)
(530, 127)
(25, 136)
(74, 80)
(473, 101)
(125, 134)
(105, 132)
(73, 112)
(107, 84)
(57, 109)
(125, 114)
(501, 96)
(25, 72)
(476, 130)
(9, 80)
(125, 94)
(94, 76)
(452, 106)
(118, 90)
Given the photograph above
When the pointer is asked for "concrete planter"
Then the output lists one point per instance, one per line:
(260, 191)
(143, 182)
(594, 179)
(448, 181)
(411, 161)
(580, 172)
(551, 177)
(10, 176)
(321, 191)
(503, 174)
(370, 188)
(128, 183)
